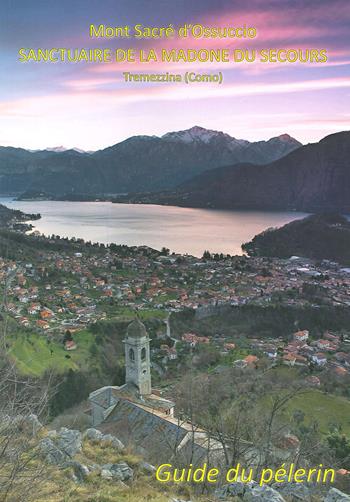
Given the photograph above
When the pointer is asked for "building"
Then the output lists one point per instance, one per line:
(301, 336)
(140, 417)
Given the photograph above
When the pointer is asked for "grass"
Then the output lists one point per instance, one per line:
(325, 409)
(32, 354)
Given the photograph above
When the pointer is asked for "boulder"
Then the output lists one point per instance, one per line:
(237, 489)
(113, 440)
(120, 471)
(264, 493)
(96, 435)
(335, 495)
(106, 474)
(92, 434)
(294, 491)
(69, 441)
(52, 454)
(231, 490)
(81, 471)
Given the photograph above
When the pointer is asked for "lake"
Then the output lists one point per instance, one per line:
(182, 230)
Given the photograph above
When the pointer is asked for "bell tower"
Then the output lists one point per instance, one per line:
(137, 357)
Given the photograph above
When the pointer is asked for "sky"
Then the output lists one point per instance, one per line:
(90, 106)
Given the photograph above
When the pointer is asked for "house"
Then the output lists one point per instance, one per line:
(343, 357)
(229, 346)
(300, 360)
(301, 336)
(34, 308)
(331, 337)
(193, 339)
(42, 324)
(313, 381)
(340, 371)
(289, 359)
(70, 345)
(323, 344)
(251, 360)
(24, 321)
(270, 351)
(46, 313)
(171, 352)
(319, 359)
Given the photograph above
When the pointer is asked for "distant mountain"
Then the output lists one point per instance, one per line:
(64, 149)
(272, 149)
(140, 163)
(325, 236)
(314, 178)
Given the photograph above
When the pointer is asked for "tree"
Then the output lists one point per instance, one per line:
(206, 255)
(165, 251)
(21, 401)
(340, 445)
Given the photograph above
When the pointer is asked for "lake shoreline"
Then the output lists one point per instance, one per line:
(182, 230)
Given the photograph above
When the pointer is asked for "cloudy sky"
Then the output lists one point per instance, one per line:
(90, 106)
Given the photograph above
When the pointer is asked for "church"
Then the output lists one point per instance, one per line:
(141, 418)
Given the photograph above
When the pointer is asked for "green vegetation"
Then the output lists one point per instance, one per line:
(261, 321)
(317, 236)
(326, 410)
(35, 355)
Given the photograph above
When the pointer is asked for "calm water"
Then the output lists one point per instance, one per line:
(181, 230)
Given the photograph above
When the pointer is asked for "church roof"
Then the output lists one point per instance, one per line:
(109, 395)
(147, 431)
(158, 438)
(136, 329)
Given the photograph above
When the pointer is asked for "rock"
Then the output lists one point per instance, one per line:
(92, 434)
(146, 467)
(237, 489)
(52, 454)
(262, 494)
(81, 471)
(294, 491)
(113, 440)
(120, 471)
(96, 435)
(335, 495)
(106, 474)
(69, 441)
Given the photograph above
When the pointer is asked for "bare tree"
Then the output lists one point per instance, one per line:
(22, 400)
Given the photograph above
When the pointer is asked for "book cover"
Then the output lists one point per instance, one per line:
(174, 250)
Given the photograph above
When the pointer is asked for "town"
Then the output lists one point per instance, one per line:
(67, 291)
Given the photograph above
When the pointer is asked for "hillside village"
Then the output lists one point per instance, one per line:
(67, 291)
(60, 295)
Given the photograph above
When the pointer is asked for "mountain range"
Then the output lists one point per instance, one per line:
(140, 163)
(313, 178)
